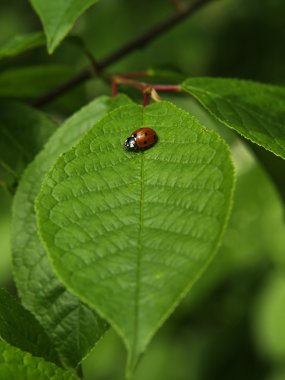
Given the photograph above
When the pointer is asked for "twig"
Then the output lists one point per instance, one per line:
(178, 4)
(134, 44)
(125, 80)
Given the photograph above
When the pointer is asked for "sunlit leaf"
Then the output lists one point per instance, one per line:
(129, 233)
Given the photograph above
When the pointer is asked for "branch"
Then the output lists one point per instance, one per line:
(127, 80)
(129, 47)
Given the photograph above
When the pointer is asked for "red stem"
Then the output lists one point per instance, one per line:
(145, 98)
(166, 87)
(123, 79)
(115, 88)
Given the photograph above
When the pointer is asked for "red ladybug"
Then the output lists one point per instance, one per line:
(141, 139)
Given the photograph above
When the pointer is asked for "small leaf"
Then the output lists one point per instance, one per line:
(16, 364)
(22, 43)
(256, 111)
(23, 132)
(73, 327)
(19, 328)
(58, 17)
(32, 81)
(129, 233)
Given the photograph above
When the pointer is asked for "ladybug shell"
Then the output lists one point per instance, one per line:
(144, 137)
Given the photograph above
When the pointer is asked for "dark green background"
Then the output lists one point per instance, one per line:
(231, 326)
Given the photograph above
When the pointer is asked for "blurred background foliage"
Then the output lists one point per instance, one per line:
(232, 323)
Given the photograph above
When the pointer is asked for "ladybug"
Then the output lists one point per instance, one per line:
(141, 139)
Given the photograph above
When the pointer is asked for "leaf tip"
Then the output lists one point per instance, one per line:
(51, 46)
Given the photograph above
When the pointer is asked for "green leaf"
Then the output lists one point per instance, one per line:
(58, 17)
(248, 243)
(16, 364)
(268, 318)
(73, 327)
(23, 132)
(256, 111)
(22, 43)
(19, 328)
(5, 246)
(130, 233)
(32, 81)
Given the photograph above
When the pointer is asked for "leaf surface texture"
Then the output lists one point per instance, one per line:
(254, 110)
(129, 233)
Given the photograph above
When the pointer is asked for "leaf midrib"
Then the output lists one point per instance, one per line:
(138, 272)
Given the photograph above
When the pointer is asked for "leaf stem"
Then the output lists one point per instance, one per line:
(138, 42)
(123, 79)
(114, 89)
(145, 98)
(148, 90)
(167, 87)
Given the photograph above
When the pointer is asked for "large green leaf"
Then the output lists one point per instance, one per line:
(73, 327)
(21, 43)
(256, 111)
(130, 233)
(23, 132)
(19, 328)
(33, 81)
(58, 17)
(16, 364)
(214, 304)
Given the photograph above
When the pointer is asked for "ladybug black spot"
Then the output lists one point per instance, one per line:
(154, 137)
(145, 142)
(145, 134)
(135, 135)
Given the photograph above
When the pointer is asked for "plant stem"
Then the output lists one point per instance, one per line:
(166, 87)
(130, 82)
(114, 89)
(145, 99)
(126, 49)
(148, 90)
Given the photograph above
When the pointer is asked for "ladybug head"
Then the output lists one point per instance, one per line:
(130, 144)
